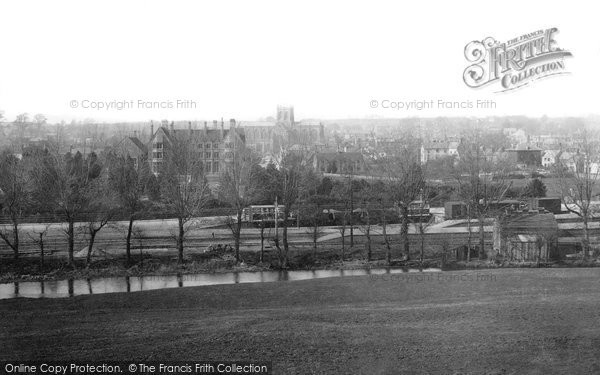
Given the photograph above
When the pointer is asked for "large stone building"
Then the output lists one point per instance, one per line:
(214, 141)
(214, 145)
(526, 155)
(269, 137)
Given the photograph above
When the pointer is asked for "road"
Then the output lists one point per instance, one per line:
(158, 236)
(150, 235)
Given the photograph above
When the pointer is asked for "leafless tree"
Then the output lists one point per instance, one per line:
(288, 186)
(314, 201)
(101, 209)
(403, 174)
(383, 201)
(578, 181)
(482, 179)
(128, 180)
(14, 197)
(65, 181)
(236, 186)
(341, 194)
(183, 184)
(367, 214)
(38, 236)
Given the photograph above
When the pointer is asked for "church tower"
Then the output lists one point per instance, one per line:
(285, 115)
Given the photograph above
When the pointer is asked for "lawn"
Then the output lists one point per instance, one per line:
(500, 321)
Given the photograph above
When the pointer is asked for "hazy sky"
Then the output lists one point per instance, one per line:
(239, 59)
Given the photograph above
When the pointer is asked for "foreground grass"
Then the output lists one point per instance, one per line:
(486, 321)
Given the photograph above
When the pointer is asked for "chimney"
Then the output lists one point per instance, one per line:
(231, 123)
(215, 124)
(222, 128)
(151, 129)
(135, 133)
(205, 127)
(172, 126)
(190, 127)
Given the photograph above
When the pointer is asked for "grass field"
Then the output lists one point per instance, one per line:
(506, 321)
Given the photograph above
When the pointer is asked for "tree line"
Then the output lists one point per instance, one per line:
(95, 190)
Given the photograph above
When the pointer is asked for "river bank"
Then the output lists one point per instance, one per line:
(29, 269)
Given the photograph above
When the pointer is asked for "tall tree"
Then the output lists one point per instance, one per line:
(183, 184)
(288, 187)
(578, 182)
(14, 197)
(482, 178)
(128, 180)
(314, 197)
(235, 187)
(404, 175)
(367, 213)
(66, 182)
(101, 209)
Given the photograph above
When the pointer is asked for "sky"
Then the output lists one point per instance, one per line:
(240, 59)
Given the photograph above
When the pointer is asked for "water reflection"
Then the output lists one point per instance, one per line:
(71, 287)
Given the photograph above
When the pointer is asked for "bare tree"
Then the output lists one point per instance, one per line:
(367, 214)
(183, 184)
(481, 175)
(341, 193)
(314, 197)
(403, 174)
(38, 236)
(100, 211)
(578, 181)
(65, 181)
(14, 197)
(236, 187)
(383, 203)
(128, 181)
(288, 186)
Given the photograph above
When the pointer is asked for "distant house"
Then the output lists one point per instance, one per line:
(549, 158)
(436, 149)
(339, 162)
(525, 155)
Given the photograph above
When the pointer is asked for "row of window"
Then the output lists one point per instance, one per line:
(159, 145)
(207, 155)
(209, 166)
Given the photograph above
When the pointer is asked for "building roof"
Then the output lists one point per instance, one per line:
(209, 134)
(445, 144)
(525, 147)
(339, 156)
(534, 223)
(551, 153)
(139, 144)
